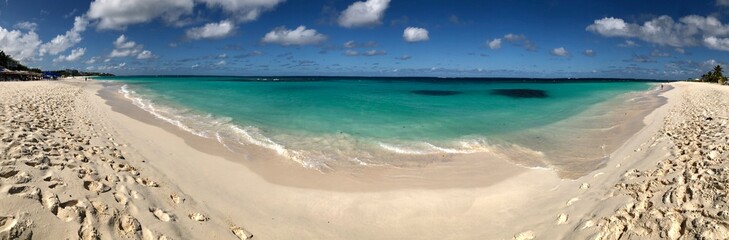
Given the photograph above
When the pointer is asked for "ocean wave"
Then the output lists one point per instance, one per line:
(313, 152)
(426, 148)
(219, 129)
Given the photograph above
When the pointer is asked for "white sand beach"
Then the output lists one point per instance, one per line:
(74, 165)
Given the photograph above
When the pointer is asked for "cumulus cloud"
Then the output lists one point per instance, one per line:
(63, 42)
(21, 46)
(76, 54)
(692, 30)
(362, 14)
(212, 30)
(243, 10)
(495, 44)
(589, 53)
(146, 54)
(560, 52)
(28, 26)
(118, 14)
(415, 34)
(298, 36)
(717, 43)
(124, 47)
(516, 39)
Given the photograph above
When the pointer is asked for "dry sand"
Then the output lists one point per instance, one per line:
(73, 167)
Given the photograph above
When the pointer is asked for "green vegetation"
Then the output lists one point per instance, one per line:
(715, 76)
(7, 61)
(74, 72)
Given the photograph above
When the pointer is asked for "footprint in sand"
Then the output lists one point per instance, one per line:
(96, 187)
(562, 219)
(198, 217)
(14, 227)
(240, 232)
(161, 215)
(7, 223)
(8, 172)
(25, 191)
(147, 182)
(121, 198)
(526, 235)
(70, 210)
(572, 201)
(128, 226)
(177, 199)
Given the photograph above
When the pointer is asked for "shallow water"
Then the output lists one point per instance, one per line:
(324, 123)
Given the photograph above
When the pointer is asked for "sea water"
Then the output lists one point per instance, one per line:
(323, 122)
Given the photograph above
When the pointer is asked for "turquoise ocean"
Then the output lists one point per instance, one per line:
(322, 122)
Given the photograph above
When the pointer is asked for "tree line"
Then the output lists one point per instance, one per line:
(6, 61)
(715, 76)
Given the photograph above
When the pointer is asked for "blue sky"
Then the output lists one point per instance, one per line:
(508, 38)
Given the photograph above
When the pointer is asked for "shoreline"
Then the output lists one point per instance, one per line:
(528, 202)
(441, 172)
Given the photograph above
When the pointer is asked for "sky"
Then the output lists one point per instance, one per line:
(652, 39)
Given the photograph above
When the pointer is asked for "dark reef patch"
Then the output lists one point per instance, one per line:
(436, 92)
(520, 93)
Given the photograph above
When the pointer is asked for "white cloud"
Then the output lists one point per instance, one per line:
(515, 39)
(92, 60)
(351, 53)
(118, 14)
(243, 10)
(350, 44)
(495, 44)
(76, 54)
(375, 53)
(690, 30)
(19, 45)
(628, 43)
(414, 34)
(610, 27)
(146, 54)
(298, 36)
(124, 47)
(717, 43)
(222, 62)
(560, 52)
(723, 3)
(62, 43)
(362, 14)
(28, 26)
(212, 30)
(589, 53)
